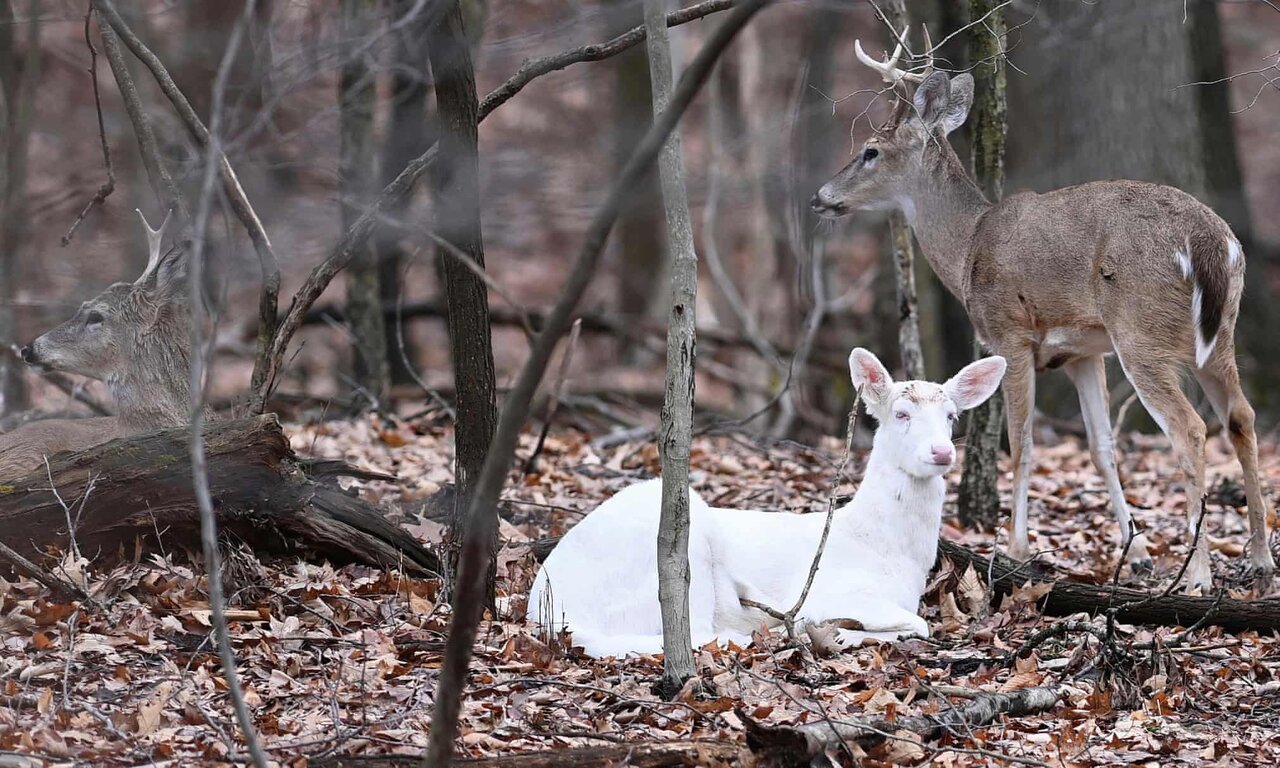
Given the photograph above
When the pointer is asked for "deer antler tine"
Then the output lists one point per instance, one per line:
(154, 237)
(928, 48)
(888, 68)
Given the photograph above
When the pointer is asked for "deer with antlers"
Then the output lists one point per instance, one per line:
(1060, 279)
(134, 337)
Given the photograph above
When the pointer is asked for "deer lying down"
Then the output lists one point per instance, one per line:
(601, 580)
(1060, 279)
(134, 337)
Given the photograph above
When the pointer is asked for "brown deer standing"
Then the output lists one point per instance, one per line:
(135, 338)
(1058, 280)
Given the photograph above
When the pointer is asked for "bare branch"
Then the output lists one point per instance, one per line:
(109, 186)
(199, 464)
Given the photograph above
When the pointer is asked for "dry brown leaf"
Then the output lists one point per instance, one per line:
(151, 712)
(973, 591)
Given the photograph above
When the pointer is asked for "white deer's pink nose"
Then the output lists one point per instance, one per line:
(943, 453)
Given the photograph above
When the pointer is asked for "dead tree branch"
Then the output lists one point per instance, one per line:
(1130, 606)
(786, 745)
(109, 185)
(162, 185)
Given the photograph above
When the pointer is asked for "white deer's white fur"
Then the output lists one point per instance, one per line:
(601, 581)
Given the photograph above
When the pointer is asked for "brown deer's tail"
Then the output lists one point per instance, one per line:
(1213, 260)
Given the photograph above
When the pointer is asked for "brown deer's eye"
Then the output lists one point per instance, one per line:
(870, 154)
(93, 318)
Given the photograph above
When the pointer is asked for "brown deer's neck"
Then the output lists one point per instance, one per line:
(944, 211)
(154, 393)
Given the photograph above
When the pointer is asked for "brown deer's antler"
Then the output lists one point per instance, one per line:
(154, 236)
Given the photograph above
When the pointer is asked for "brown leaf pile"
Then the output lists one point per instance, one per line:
(340, 662)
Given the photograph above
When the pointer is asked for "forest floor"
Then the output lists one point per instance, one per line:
(342, 662)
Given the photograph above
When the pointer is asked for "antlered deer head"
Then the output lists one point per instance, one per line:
(134, 337)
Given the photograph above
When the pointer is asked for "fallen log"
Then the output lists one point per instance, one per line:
(652, 754)
(785, 746)
(1132, 606)
(140, 488)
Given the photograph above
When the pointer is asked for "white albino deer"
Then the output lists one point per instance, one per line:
(601, 580)
(1058, 280)
(135, 338)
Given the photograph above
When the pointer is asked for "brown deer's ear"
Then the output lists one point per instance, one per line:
(958, 103)
(170, 275)
(932, 98)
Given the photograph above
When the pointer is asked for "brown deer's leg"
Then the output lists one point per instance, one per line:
(1089, 375)
(1020, 399)
(1158, 386)
(1221, 384)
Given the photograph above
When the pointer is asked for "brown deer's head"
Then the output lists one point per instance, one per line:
(132, 336)
(888, 167)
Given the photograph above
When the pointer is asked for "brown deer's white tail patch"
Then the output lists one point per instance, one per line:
(1210, 264)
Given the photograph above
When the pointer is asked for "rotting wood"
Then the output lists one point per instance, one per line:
(1134, 606)
(653, 754)
(139, 487)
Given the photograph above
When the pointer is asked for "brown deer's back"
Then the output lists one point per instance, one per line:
(26, 448)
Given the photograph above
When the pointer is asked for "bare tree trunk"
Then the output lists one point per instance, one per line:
(455, 188)
(357, 95)
(410, 131)
(19, 73)
(676, 433)
(979, 495)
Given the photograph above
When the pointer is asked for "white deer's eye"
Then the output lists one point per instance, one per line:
(902, 416)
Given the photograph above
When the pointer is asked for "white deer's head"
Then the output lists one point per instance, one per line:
(916, 417)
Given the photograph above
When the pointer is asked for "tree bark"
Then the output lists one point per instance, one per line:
(455, 188)
(19, 73)
(979, 502)
(357, 95)
(139, 489)
(676, 433)
(411, 130)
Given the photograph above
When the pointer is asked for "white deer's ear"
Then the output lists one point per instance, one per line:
(958, 102)
(869, 376)
(976, 382)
